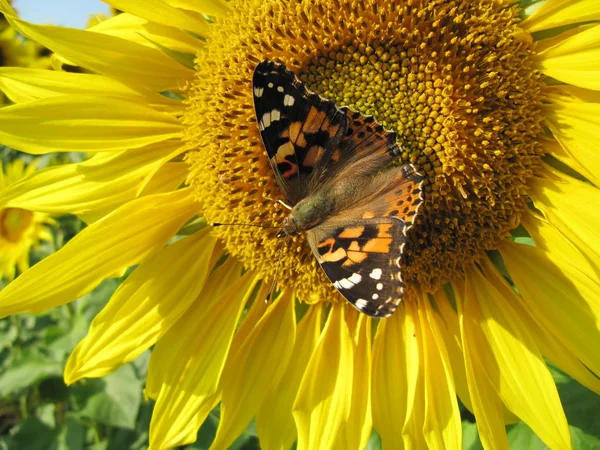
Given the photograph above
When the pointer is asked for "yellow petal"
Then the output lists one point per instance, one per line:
(449, 329)
(22, 85)
(323, 402)
(395, 357)
(105, 180)
(356, 431)
(139, 30)
(274, 421)
(143, 308)
(128, 62)
(167, 178)
(220, 280)
(257, 365)
(558, 13)
(7, 9)
(575, 60)
(563, 286)
(487, 404)
(571, 206)
(576, 125)
(160, 12)
(190, 359)
(74, 123)
(211, 7)
(442, 427)
(518, 370)
(552, 40)
(127, 237)
(549, 344)
(554, 148)
(413, 430)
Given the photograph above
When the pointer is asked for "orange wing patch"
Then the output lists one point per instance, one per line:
(313, 120)
(378, 245)
(314, 153)
(354, 258)
(328, 254)
(352, 233)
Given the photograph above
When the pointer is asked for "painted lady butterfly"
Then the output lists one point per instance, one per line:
(335, 169)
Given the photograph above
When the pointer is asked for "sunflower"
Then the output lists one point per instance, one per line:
(21, 230)
(495, 105)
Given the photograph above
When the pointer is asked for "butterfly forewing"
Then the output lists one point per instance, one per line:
(298, 127)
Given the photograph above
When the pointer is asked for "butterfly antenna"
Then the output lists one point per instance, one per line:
(272, 288)
(220, 224)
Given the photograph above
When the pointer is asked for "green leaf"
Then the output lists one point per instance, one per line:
(8, 337)
(374, 442)
(582, 408)
(119, 402)
(583, 441)
(27, 371)
(54, 390)
(470, 436)
(72, 435)
(60, 345)
(33, 434)
(520, 437)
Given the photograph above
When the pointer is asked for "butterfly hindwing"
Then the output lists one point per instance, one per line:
(359, 258)
(298, 127)
(361, 249)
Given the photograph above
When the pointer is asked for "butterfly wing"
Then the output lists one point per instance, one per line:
(361, 249)
(298, 127)
(365, 149)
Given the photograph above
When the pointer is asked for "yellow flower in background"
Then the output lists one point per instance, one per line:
(13, 51)
(21, 230)
(501, 121)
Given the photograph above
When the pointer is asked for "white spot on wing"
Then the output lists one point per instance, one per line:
(379, 286)
(279, 88)
(375, 296)
(266, 120)
(258, 91)
(270, 117)
(348, 283)
(361, 303)
(376, 274)
(355, 278)
(344, 283)
(270, 85)
(288, 100)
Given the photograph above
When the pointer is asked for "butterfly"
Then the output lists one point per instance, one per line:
(334, 167)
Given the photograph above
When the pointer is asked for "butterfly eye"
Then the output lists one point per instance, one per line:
(280, 234)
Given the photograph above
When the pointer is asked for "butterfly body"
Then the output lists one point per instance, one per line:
(312, 210)
(335, 168)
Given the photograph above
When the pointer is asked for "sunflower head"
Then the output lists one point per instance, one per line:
(21, 230)
(455, 81)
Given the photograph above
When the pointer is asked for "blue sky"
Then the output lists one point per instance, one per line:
(70, 13)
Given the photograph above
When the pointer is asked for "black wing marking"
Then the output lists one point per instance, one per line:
(298, 127)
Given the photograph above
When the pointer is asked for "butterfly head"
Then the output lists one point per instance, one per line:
(306, 214)
(289, 228)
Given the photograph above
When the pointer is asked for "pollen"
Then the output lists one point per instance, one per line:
(454, 80)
